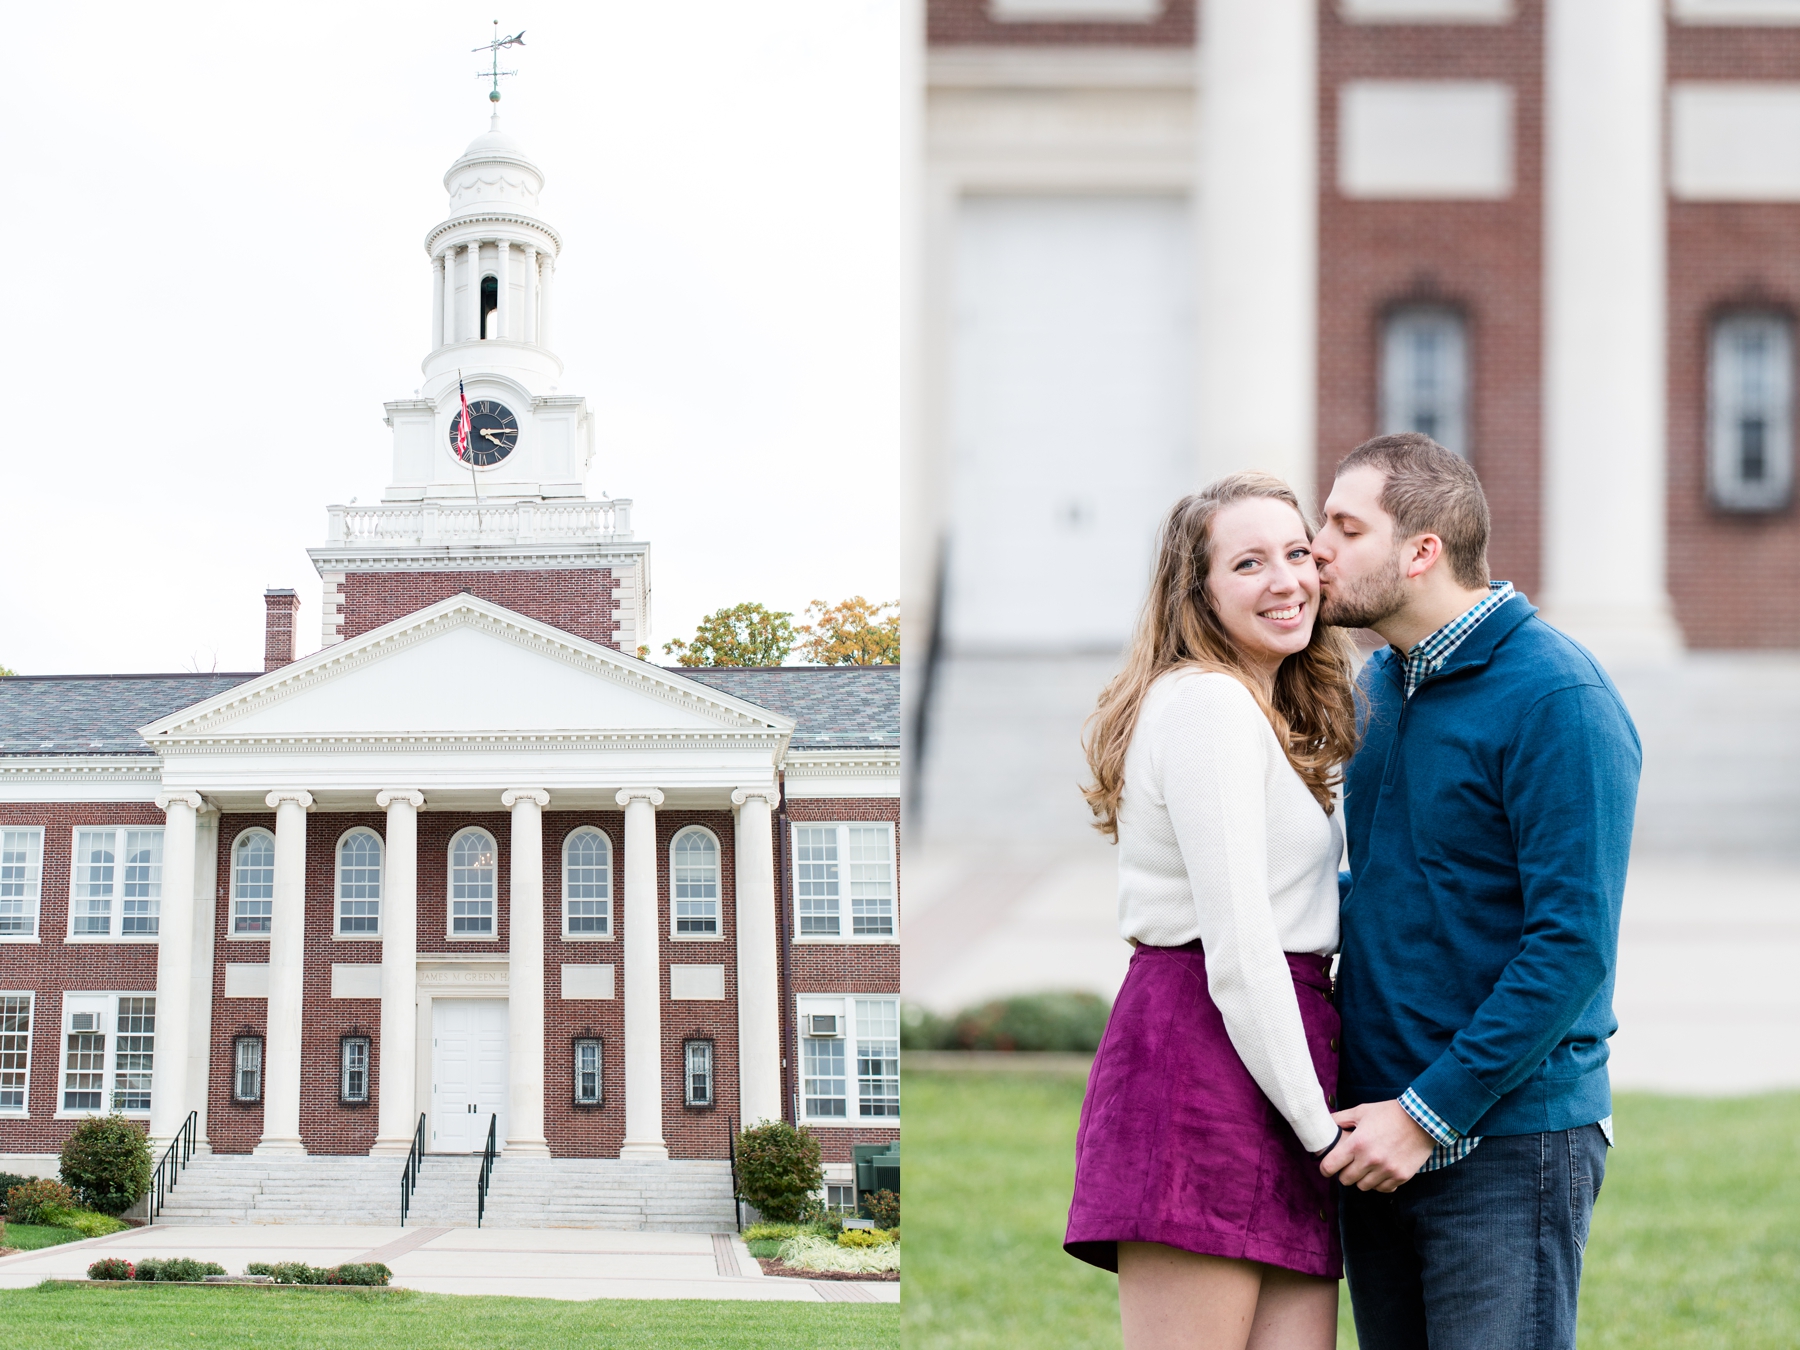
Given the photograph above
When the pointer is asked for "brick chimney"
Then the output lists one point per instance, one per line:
(278, 637)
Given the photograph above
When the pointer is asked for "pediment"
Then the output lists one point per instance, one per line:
(465, 667)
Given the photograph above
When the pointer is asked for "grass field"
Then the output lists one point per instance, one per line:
(70, 1317)
(1696, 1239)
(28, 1237)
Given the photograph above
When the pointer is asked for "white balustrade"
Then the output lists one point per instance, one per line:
(504, 523)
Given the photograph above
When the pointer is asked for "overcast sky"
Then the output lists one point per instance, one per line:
(214, 234)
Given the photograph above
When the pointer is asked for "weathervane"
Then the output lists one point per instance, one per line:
(495, 47)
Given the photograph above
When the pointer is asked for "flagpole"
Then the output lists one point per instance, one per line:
(468, 452)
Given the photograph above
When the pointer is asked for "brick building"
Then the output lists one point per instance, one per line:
(1179, 237)
(472, 861)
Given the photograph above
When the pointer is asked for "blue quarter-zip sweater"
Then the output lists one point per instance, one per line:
(1489, 822)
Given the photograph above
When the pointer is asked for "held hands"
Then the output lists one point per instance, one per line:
(1381, 1149)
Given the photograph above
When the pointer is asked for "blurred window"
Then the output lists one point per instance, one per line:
(1750, 441)
(1424, 375)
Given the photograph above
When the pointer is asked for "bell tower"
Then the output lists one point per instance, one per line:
(503, 511)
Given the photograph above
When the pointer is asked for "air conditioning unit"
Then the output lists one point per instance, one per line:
(83, 1022)
(824, 1026)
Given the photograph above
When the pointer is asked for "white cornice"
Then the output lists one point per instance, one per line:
(81, 768)
(452, 742)
(490, 218)
(468, 557)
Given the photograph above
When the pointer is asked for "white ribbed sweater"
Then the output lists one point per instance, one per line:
(1220, 840)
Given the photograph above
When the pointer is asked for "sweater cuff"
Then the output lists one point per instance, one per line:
(1456, 1097)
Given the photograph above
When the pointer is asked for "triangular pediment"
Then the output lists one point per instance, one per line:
(465, 666)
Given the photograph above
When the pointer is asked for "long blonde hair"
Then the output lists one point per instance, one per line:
(1312, 711)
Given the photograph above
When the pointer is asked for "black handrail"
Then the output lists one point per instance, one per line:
(409, 1178)
(487, 1170)
(737, 1207)
(175, 1157)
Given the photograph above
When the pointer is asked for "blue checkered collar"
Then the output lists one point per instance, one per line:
(1428, 655)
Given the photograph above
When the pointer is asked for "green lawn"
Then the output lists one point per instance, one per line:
(1696, 1240)
(70, 1317)
(28, 1237)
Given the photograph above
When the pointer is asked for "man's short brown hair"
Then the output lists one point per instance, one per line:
(1430, 491)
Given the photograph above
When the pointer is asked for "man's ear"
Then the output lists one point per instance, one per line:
(1422, 554)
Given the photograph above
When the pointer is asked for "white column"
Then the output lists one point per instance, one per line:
(1605, 322)
(525, 975)
(528, 327)
(759, 985)
(472, 295)
(437, 302)
(1256, 195)
(206, 904)
(174, 966)
(287, 976)
(397, 1114)
(643, 978)
(546, 275)
(503, 324)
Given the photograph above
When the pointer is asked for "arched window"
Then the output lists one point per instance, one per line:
(359, 884)
(253, 883)
(695, 863)
(1425, 375)
(490, 301)
(587, 884)
(1750, 411)
(472, 859)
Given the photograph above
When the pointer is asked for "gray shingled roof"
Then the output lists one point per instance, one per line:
(96, 714)
(849, 707)
(853, 707)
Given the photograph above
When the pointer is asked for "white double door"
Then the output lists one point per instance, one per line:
(468, 1073)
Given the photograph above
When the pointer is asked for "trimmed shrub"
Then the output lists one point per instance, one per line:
(758, 1232)
(298, 1272)
(883, 1207)
(778, 1170)
(865, 1237)
(26, 1204)
(112, 1268)
(7, 1181)
(106, 1161)
(83, 1221)
(176, 1270)
(1051, 1021)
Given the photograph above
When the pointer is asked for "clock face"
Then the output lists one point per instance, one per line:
(493, 432)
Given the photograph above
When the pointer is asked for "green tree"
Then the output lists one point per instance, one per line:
(7, 670)
(854, 632)
(778, 1170)
(741, 635)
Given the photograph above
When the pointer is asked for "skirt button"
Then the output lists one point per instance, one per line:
(1334, 1043)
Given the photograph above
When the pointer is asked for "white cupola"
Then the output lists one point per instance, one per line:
(493, 272)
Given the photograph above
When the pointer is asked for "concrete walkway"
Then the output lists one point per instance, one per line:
(564, 1263)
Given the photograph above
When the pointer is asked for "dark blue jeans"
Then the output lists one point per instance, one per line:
(1482, 1255)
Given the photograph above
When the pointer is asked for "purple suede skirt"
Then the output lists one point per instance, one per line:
(1178, 1145)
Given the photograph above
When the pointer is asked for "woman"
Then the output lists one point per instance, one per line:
(1214, 754)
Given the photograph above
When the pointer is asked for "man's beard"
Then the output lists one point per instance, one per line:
(1366, 603)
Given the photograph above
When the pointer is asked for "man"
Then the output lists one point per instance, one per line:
(1489, 812)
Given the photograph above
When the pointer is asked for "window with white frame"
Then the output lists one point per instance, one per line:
(831, 859)
(117, 890)
(1750, 412)
(253, 884)
(587, 884)
(359, 884)
(849, 1058)
(108, 1053)
(694, 861)
(840, 1199)
(21, 874)
(472, 867)
(246, 1069)
(588, 1086)
(15, 1051)
(697, 1073)
(1425, 375)
(353, 1069)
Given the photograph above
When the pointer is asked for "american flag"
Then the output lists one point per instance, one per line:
(463, 422)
